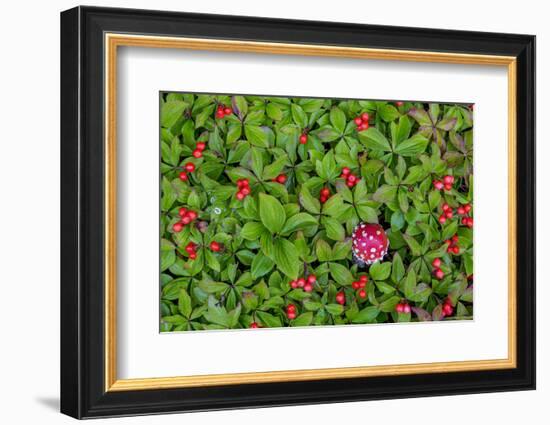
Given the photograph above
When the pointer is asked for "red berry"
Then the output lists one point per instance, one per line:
(177, 227)
(214, 246)
(190, 167)
(364, 126)
(448, 179)
(245, 191)
(197, 153)
(182, 211)
(358, 121)
(190, 247)
(291, 316)
(352, 178)
(183, 176)
(186, 220)
(399, 103)
(193, 255)
(439, 274)
(253, 325)
(192, 215)
(345, 171)
(311, 279)
(227, 111)
(240, 196)
(448, 242)
(301, 282)
(303, 139)
(363, 278)
(293, 284)
(219, 114)
(325, 192)
(362, 293)
(323, 199)
(470, 222)
(436, 263)
(467, 208)
(362, 284)
(461, 210)
(365, 116)
(445, 206)
(448, 186)
(455, 238)
(438, 184)
(456, 249)
(201, 146)
(447, 309)
(406, 308)
(356, 285)
(449, 213)
(308, 287)
(350, 183)
(464, 220)
(399, 308)
(281, 178)
(341, 298)
(442, 219)
(291, 307)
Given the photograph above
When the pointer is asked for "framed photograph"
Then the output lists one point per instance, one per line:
(261, 212)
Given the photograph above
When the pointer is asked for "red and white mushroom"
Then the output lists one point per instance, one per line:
(369, 243)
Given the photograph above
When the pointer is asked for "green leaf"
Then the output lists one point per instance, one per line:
(272, 213)
(341, 274)
(303, 319)
(298, 222)
(413, 146)
(256, 135)
(268, 320)
(385, 193)
(286, 257)
(415, 247)
(388, 112)
(333, 206)
(323, 250)
(252, 230)
(334, 229)
(398, 269)
(171, 112)
(275, 168)
(335, 309)
(338, 119)
(367, 315)
(380, 271)
(389, 305)
(373, 139)
(309, 202)
(298, 115)
(184, 303)
(261, 265)
(410, 283)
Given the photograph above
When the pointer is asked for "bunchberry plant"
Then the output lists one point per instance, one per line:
(299, 211)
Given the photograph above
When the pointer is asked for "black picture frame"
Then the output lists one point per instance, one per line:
(82, 219)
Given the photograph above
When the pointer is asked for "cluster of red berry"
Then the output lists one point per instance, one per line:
(360, 285)
(447, 308)
(351, 179)
(447, 213)
(305, 283)
(362, 121)
(187, 168)
(186, 217)
(446, 184)
(291, 311)
(215, 246)
(197, 153)
(281, 178)
(303, 138)
(466, 220)
(243, 187)
(191, 249)
(452, 245)
(222, 111)
(324, 195)
(403, 307)
(438, 273)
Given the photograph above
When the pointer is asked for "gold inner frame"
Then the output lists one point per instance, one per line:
(113, 41)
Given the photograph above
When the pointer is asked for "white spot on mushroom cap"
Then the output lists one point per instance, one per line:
(373, 250)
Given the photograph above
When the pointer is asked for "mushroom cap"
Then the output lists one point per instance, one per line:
(369, 242)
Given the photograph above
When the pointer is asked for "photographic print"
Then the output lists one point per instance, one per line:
(289, 211)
